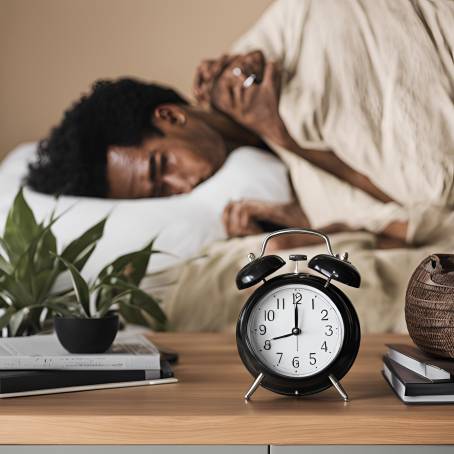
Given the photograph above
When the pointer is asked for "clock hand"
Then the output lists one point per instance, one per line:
(296, 315)
(296, 330)
(281, 337)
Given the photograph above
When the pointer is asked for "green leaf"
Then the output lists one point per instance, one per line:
(142, 300)
(20, 227)
(15, 290)
(80, 286)
(76, 251)
(5, 265)
(83, 258)
(148, 304)
(133, 265)
(107, 303)
(3, 303)
(5, 247)
(6, 316)
(16, 320)
(62, 293)
(43, 283)
(45, 250)
(60, 309)
(132, 314)
(28, 264)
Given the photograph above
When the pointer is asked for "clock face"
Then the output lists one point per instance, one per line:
(295, 330)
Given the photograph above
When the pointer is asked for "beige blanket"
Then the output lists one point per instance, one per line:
(372, 80)
(203, 295)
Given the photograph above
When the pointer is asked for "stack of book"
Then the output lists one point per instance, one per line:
(39, 365)
(417, 377)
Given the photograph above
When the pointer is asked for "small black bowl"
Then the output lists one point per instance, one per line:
(86, 335)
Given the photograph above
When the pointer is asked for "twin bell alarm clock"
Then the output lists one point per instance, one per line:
(298, 334)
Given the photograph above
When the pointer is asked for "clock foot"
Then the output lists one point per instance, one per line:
(338, 387)
(254, 387)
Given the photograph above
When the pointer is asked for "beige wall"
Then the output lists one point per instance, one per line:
(51, 50)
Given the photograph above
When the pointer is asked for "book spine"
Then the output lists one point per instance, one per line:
(82, 362)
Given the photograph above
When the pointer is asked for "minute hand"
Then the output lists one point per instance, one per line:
(282, 337)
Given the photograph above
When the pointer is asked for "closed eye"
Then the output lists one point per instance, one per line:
(164, 162)
(152, 168)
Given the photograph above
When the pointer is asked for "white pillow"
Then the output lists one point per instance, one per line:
(183, 223)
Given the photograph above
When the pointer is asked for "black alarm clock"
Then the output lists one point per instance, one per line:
(298, 334)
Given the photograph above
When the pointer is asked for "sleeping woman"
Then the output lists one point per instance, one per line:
(356, 98)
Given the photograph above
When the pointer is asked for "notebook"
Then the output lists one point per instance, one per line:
(16, 383)
(411, 387)
(413, 358)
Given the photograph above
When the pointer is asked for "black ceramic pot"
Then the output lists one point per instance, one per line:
(86, 335)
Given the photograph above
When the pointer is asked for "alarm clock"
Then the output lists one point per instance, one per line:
(298, 334)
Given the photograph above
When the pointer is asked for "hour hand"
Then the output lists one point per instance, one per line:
(282, 337)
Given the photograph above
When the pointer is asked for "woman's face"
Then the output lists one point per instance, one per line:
(187, 154)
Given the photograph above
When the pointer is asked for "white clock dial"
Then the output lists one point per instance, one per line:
(296, 330)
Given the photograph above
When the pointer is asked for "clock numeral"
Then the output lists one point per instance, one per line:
(324, 347)
(312, 359)
(267, 345)
(324, 313)
(297, 297)
(280, 358)
(262, 329)
(280, 302)
(313, 303)
(296, 362)
(269, 315)
(330, 330)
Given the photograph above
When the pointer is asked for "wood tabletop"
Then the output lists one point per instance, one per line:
(207, 407)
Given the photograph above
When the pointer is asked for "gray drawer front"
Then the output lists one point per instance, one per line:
(378, 449)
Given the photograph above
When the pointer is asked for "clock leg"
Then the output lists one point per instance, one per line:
(338, 387)
(254, 387)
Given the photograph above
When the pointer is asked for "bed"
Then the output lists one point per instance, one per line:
(196, 281)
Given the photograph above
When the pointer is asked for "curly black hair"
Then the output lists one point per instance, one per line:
(72, 160)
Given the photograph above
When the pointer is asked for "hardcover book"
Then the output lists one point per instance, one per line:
(411, 387)
(129, 352)
(416, 360)
(25, 382)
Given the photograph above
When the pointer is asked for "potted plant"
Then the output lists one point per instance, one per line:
(28, 270)
(30, 264)
(92, 325)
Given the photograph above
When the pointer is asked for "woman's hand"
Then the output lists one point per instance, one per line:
(246, 217)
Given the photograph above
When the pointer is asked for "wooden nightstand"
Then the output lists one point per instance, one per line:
(207, 408)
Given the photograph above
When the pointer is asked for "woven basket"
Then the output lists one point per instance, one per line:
(429, 305)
